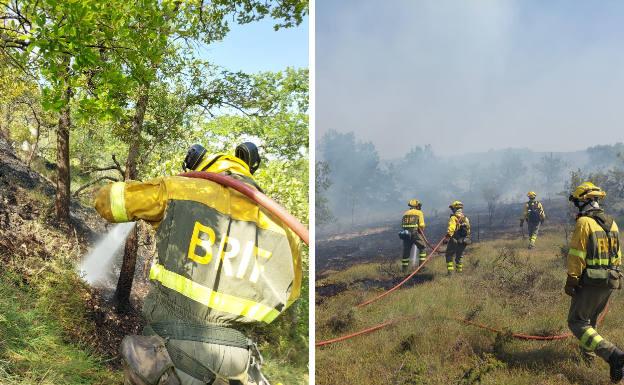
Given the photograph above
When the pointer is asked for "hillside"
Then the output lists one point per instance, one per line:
(504, 286)
(54, 327)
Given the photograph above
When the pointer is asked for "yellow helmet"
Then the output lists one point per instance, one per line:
(224, 162)
(414, 203)
(587, 191)
(531, 194)
(456, 205)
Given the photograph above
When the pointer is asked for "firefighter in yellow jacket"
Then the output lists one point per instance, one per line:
(534, 215)
(223, 262)
(457, 237)
(594, 258)
(412, 233)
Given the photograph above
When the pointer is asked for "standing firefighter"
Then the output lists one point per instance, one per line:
(534, 215)
(593, 273)
(413, 225)
(223, 262)
(457, 237)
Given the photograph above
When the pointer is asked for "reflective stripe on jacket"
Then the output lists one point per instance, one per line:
(589, 246)
(414, 219)
(221, 257)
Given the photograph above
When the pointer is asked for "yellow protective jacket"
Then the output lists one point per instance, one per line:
(536, 206)
(589, 247)
(458, 226)
(221, 257)
(413, 219)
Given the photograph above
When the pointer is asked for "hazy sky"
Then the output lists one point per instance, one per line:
(257, 47)
(468, 76)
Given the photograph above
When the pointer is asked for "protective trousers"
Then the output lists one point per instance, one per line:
(587, 305)
(533, 230)
(454, 249)
(231, 364)
(415, 239)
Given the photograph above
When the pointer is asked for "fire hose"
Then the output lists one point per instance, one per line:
(520, 336)
(425, 238)
(358, 333)
(257, 197)
(385, 293)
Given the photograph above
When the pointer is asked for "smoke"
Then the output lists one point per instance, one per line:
(364, 189)
(97, 265)
(468, 76)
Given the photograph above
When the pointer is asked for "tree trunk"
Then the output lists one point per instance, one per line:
(126, 275)
(62, 160)
(33, 151)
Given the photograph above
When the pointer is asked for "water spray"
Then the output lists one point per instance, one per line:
(96, 265)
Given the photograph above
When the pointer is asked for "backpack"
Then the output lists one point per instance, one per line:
(534, 214)
(462, 227)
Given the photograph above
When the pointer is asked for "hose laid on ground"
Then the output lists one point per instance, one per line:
(404, 280)
(518, 336)
(521, 336)
(358, 333)
(257, 197)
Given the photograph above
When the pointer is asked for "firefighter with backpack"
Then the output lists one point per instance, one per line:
(457, 237)
(412, 233)
(534, 215)
(594, 260)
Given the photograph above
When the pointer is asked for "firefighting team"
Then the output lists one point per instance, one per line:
(593, 261)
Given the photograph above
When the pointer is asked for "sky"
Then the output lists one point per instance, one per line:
(470, 76)
(257, 47)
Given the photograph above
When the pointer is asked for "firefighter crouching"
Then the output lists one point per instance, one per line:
(534, 215)
(457, 237)
(412, 233)
(223, 262)
(594, 258)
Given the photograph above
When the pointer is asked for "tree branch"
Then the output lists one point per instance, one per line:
(94, 182)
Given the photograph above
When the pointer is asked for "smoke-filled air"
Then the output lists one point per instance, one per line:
(356, 187)
(469, 189)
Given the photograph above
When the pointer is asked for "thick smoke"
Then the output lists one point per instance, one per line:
(365, 189)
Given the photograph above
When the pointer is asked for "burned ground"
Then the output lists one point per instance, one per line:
(30, 240)
(504, 286)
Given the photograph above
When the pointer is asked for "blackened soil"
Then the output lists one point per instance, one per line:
(325, 291)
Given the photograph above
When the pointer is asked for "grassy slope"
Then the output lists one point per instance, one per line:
(504, 285)
(34, 346)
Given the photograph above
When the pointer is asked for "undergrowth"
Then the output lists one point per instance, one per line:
(38, 344)
(504, 285)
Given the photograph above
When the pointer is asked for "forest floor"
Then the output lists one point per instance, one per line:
(54, 327)
(503, 285)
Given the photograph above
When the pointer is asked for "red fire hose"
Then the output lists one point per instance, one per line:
(255, 196)
(385, 293)
(358, 333)
(521, 336)
(425, 238)
(518, 336)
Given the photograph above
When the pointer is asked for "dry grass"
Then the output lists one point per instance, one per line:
(503, 285)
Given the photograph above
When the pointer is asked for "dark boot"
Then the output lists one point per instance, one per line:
(616, 365)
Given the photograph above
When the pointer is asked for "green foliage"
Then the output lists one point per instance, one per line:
(483, 366)
(99, 59)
